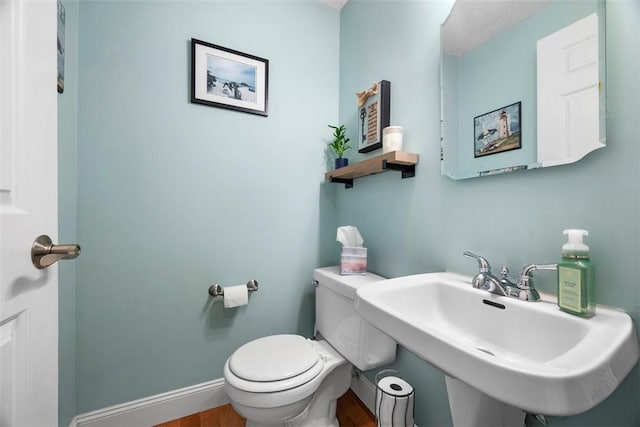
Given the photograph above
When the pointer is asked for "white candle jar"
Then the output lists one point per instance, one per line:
(391, 139)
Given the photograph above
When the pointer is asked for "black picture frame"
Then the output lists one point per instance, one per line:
(498, 131)
(374, 109)
(226, 78)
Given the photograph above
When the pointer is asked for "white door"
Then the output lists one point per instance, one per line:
(569, 93)
(28, 208)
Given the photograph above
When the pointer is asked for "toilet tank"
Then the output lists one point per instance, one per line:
(337, 321)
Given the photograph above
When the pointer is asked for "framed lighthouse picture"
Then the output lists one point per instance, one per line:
(497, 131)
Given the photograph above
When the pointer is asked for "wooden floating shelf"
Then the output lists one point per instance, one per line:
(395, 160)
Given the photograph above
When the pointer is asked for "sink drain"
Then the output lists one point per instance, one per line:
(485, 351)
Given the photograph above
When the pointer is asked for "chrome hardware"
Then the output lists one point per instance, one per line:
(532, 419)
(523, 290)
(483, 264)
(525, 281)
(44, 253)
(541, 419)
(217, 291)
(510, 288)
(485, 279)
(504, 278)
(315, 283)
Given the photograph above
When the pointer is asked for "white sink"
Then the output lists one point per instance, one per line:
(529, 355)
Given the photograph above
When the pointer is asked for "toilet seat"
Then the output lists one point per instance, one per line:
(274, 363)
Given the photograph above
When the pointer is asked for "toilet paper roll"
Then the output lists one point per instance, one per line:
(394, 402)
(235, 296)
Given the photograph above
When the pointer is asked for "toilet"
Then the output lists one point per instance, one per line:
(290, 380)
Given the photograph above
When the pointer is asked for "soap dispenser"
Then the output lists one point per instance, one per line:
(576, 289)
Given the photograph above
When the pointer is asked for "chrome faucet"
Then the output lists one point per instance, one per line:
(485, 279)
(525, 281)
(523, 289)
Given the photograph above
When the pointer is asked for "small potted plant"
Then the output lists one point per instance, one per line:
(340, 144)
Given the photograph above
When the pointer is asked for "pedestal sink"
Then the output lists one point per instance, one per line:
(524, 355)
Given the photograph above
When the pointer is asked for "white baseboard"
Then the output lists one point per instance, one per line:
(185, 401)
(157, 409)
(365, 390)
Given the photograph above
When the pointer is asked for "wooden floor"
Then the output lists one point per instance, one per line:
(351, 413)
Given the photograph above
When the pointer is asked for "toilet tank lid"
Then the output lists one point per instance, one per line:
(345, 285)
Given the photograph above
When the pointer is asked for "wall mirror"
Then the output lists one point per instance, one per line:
(522, 85)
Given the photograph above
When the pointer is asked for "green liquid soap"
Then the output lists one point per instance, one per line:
(576, 279)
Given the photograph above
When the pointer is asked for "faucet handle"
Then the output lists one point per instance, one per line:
(525, 281)
(483, 264)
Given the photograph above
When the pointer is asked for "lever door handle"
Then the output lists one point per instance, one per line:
(44, 252)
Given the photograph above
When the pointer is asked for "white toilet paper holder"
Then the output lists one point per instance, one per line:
(216, 290)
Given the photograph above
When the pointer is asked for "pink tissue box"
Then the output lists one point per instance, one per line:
(353, 260)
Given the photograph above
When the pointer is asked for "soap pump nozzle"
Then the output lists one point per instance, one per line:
(575, 242)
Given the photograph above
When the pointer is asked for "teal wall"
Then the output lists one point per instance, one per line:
(67, 207)
(174, 196)
(424, 224)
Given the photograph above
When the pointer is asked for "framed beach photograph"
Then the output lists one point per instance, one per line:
(374, 107)
(497, 131)
(226, 78)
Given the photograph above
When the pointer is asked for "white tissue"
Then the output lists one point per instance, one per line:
(349, 235)
(235, 296)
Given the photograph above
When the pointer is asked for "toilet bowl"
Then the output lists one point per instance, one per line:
(312, 374)
(290, 380)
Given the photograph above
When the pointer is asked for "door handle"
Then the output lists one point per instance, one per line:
(44, 252)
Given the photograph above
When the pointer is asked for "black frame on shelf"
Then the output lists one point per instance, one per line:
(373, 115)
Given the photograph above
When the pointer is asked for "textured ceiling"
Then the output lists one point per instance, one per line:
(473, 22)
(336, 4)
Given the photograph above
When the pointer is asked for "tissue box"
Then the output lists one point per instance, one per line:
(353, 260)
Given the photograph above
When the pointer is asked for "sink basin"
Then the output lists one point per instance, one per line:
(529, 355)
